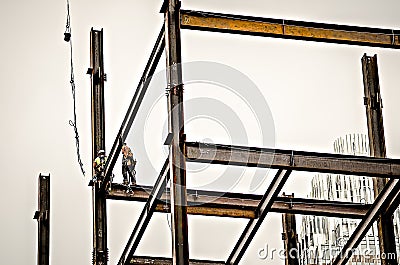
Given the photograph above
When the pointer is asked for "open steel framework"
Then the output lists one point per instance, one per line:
(181, 201)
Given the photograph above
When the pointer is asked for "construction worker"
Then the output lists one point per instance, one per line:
(128, 165)
(100, 162)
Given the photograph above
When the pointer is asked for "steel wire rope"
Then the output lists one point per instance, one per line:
(73, 123)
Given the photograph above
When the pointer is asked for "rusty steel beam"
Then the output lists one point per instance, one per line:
(386, 198)
(174, 91)
(293, 160)
(199, 202)
(100, 250)
(134, 105)
(289, 29)
(263, 208)
(320, 207)
(373, 106)
(376, 134)
(42, 215)
(96, 72)
(227, 204)
(146, 215)
(139, 260)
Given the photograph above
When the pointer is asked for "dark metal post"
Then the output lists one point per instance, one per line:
(42, 215)
(100, 251)
(180, 246)
(289, 237)
(376, 134)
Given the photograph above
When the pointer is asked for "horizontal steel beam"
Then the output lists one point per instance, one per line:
(320, 207)
(289, 29)
(227, 204)
(199, 202)
(168, 261)
(388, 197)
(146, 215)
(134, 106)
(294, 160)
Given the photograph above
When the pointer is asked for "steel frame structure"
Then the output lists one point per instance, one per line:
(181, 201)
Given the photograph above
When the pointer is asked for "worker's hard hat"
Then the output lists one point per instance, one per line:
(101, 152)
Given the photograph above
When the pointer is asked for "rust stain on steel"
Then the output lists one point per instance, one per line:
(311, 31)
(290, 159)
(234, 205)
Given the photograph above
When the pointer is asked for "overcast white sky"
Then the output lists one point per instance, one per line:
(314, 92)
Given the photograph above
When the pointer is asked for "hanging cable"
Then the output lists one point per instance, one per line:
(67, 38)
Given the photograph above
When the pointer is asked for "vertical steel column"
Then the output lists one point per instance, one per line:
(42, 215)
(289, 237)
(100, 251)
(376, 134)
(180, 246)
